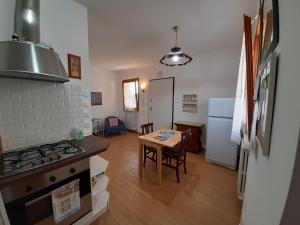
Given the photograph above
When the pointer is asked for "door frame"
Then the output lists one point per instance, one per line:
(173, 90)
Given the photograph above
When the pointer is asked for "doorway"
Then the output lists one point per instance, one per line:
(161, 102)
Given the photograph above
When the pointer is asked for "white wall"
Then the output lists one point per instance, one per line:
(106, 82)
(33, 112)
(64, 25)
(269, 178)
(212, 74)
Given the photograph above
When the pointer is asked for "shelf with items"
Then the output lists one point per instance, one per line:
(99, 183)
(189, 103)
(98, 165)
(194, 110)
(192, 97)
(100, 202)
(98, 126)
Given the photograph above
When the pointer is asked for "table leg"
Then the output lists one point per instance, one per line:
(159, 164)
(141, 159)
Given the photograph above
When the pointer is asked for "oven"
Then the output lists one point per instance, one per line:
(30, 202)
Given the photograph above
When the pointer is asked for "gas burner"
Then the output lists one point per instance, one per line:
(15, 162)
(71, 150)
(30, 153)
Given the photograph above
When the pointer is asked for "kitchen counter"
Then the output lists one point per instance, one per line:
(91, 144)
(191, 124)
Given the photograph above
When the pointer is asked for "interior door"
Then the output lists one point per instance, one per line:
(161, 101)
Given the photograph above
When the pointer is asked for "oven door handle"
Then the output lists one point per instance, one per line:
(37, 199)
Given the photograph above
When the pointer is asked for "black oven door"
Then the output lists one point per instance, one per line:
(36, 209)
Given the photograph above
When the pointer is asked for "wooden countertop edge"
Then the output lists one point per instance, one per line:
(44, 169)
(190, 125)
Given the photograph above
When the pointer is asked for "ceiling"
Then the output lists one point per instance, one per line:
(126, 34)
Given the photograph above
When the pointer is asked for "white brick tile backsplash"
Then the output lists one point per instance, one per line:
(24, 133)
(37, 139)
(78, 120)
(4, 121)
(57, 116)
(43, 131)
(13, 127)
(34, 112)
(42, 118)
(52, 123)
(8, 136)
(23, 118)
(29, 85)
(15, 143)
(52, 137)
(23, 107)
(65, 121)
(35, 125)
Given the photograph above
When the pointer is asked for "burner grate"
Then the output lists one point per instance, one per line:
(15, 162)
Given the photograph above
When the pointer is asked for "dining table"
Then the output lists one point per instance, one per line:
(153, 140)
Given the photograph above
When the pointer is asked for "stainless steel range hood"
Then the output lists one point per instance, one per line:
(24, 57)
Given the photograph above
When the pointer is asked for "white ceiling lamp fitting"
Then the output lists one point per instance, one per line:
(176, 57)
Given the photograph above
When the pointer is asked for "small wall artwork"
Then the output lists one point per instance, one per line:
(96, 98)
(74, 64)
(270, 30)
(265, 103)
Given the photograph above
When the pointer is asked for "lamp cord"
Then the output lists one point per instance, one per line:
(176, 28)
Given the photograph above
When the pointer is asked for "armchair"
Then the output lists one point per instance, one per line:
(119, 128)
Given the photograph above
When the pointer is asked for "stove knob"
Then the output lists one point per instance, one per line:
(52, 178)
(28, 188)
(72, 170)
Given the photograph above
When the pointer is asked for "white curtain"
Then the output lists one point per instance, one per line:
(239, 116)
(130, 95)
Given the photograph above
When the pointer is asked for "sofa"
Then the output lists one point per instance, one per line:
(113, 125)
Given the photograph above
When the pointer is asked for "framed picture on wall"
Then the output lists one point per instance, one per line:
(96, 98)
(74, 66)
(265, 103)
(256, 90)
(270, 29)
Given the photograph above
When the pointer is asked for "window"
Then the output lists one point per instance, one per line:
(131, 95)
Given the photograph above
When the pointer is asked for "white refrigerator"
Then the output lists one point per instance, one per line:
(219, 147)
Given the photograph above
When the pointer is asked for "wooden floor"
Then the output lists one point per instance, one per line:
(205, 196)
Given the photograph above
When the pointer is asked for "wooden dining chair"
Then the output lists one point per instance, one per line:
(146, 129)
(178, 153)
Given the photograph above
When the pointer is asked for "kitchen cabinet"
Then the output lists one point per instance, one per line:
(99, 182)
(195, 140)
(93, 167)
(100, 196)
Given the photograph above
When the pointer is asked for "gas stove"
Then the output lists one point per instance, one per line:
(14, 162)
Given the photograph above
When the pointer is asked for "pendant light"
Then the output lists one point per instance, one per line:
(176, 57)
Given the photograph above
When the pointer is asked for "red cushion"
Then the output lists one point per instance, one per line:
(113, 121)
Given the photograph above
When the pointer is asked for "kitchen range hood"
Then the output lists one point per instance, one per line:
(24, 57)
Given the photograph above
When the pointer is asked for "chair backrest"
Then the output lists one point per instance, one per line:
(147, 128)
(110, 117)
(184, 143)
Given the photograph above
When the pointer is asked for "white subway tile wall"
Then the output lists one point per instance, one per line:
(36, 112)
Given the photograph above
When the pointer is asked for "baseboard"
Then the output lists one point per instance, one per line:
(221, 164)
(133, 131)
